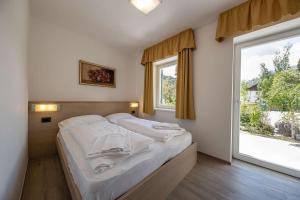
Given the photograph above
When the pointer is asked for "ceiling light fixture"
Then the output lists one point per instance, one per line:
(146, 6)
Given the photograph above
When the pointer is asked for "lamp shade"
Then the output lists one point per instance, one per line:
(146, 6)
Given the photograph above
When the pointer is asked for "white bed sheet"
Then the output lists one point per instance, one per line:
(119, 179)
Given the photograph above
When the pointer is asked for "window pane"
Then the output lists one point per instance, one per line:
(270, 102)
(168, 86)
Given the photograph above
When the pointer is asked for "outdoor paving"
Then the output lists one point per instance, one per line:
(272, 150)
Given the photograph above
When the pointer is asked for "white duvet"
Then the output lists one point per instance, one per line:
(117, 180)
(146, 128)
(105, 144)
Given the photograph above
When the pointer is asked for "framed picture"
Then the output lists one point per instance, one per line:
(98, 75)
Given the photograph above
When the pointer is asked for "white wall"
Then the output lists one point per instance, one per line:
(54, 53)
(53, 75)
(14, 97)
(212, 90)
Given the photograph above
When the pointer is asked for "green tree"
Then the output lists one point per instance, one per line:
(169, 90)
(244, 91)
(284, 94)
(264, 83)
(281, 90)
(282, 58)
(264, 72)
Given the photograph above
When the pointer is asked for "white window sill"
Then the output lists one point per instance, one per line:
(165, 109)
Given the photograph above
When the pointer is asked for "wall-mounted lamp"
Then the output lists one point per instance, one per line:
(134, 108)
(45, 107)
(134, 105)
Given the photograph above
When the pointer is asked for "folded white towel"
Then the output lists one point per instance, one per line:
(166, 126)
(100, 164)
(101, 139)
(86, 136)
(116, 143)
(145, 127)
(111, 144)
(106, 144)
(139, 144)
(163, 135)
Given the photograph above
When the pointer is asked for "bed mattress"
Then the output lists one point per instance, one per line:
(116, 181)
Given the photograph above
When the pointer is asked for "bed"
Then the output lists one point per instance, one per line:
(149, 175)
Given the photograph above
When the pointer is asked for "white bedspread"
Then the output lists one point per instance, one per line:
(99, 142)
(145, 127)
(120, 178)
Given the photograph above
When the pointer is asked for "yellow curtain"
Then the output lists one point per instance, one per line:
(181, 44)
(184, 88)
(253, 14)
(170, 47)
(148, 89)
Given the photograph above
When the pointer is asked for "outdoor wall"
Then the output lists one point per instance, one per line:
(212, 89)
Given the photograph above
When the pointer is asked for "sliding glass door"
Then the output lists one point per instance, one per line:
(266, 125)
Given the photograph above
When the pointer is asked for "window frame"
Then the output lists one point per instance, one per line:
(157, 82)
(240, 44)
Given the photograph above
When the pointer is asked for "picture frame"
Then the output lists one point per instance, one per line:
(96, 75)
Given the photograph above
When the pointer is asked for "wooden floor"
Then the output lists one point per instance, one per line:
(45, 180)
(210, 179)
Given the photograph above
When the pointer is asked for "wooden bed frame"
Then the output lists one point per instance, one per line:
(158, 185)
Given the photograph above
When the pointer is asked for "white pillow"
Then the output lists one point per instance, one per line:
(114, 118)
(80, 120)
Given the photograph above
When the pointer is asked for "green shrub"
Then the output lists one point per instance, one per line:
(251, 114)
(244, 116)
(254, 120)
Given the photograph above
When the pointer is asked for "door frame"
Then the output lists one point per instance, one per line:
(236, 100)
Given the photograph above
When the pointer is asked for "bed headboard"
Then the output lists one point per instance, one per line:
(42, 136)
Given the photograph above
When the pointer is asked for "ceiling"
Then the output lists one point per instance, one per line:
(119, 24)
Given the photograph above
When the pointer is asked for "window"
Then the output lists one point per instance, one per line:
(166, 74)
(266, 115)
